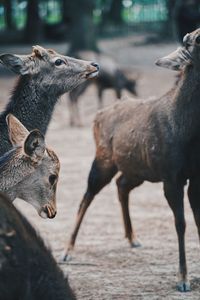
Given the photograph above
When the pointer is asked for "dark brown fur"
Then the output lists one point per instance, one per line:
(28, 270)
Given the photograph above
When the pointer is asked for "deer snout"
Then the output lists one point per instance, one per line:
(48, 211)
(92, 70)
(95, 65)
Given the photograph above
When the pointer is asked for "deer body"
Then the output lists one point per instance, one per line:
(157, 140)
(28, 269)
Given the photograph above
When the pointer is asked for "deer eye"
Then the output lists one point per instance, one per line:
(59, 62)
(198, 40)
(52, 179)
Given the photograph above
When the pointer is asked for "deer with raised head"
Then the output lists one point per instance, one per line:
(44, 76)
(157, 141)
(28, 270)
(29, 170)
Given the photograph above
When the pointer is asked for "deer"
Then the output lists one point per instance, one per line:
(44, 75)
(28, 270)
(29, 170)
(157, 141)
(110, 76)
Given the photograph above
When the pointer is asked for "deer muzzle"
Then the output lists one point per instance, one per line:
(48, 211)
(92, 70)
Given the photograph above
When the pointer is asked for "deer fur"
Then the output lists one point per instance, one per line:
(29, 170)
(28, 270)
(157, 141)
(110, 76)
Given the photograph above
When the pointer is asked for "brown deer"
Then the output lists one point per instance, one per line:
(110, 76)
(27, 268)
(29, 170)
(157, 140)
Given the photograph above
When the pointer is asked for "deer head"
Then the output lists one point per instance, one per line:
(50, 69)
(30, 170)
(187, 55)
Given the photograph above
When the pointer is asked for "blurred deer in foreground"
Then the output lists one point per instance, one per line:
(157, 141)
(110, 76)
(29, 170)
(28, 270)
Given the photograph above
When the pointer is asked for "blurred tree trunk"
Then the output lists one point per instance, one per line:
(168, 29)
(81, 27)
(113, 13)
(34, 28)
(8, 14)
(66, 16)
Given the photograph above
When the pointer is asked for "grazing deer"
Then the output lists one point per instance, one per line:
(110, 77)
(44, 76)
(29, 170)
(157, 140)
(28, 270)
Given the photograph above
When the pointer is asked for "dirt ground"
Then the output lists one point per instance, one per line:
(103, 265)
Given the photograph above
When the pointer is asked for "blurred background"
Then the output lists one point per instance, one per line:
(125, 37)
(81, 23)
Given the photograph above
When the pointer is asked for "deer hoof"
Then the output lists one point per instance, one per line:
(183, 286)
(136, 244)
(65, 258)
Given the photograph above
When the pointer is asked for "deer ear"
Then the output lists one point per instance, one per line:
(34, 145)
(17, 131)
(19, 64)
(176, 60)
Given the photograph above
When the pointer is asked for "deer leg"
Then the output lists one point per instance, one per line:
(174, 194)
(100, 175)
(124, 188)
(118, 93)
(72, 104)
(100, 96)
(194, 198)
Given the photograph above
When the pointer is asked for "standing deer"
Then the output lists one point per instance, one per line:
(28, 270)
(110, 77)
(29, 170)
(157, 140)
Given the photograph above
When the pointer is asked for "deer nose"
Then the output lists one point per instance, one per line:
(186, 40)
(95, 65)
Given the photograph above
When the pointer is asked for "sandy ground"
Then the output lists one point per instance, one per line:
(103, 265)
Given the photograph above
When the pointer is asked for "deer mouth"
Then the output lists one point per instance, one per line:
(92, 74)
(47, 212)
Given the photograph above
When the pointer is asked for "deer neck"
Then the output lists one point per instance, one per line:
(32, 104)
(186, 112)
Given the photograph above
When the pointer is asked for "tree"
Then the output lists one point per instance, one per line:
(33, 28)
(114, 13)
(81, 26)
(8, 14)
